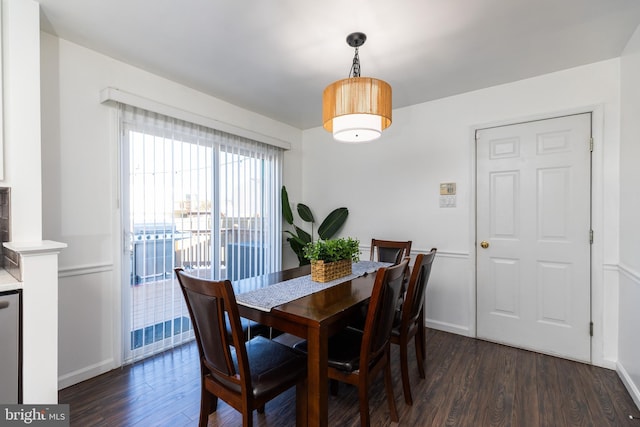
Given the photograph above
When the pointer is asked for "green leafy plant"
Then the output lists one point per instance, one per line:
(299, 238)
(333, 250)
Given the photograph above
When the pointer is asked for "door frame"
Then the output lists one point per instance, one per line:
(598, 295)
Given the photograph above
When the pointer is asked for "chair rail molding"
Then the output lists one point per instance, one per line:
(82, 270)
(415, 251)
(627, 271)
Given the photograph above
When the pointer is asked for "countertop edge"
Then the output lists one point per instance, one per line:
(42, 246)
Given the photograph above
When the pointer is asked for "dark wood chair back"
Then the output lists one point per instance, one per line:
(211, 304)
(380, 316)
(411, 320)
(389, 250)
(245, 375)
(415, 295)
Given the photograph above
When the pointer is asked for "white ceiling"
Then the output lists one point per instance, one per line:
(275, 57)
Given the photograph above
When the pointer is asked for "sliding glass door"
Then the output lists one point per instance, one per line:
(191, 197)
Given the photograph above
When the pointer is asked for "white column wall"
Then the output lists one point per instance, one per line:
(22, 172)
(21, 105)
(629, 312)
(391, 186)
(81, 189)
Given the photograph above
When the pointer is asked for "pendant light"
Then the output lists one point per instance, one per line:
(356, 109)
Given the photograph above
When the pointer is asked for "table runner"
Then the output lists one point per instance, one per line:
(279, 293)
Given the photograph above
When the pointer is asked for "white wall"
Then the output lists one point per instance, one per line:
(21, 86)
(80, 189)
(629, 317)
(391, 186)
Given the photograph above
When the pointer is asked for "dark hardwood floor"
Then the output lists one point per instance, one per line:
(469, 383)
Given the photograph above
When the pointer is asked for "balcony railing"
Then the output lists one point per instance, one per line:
(158, 310)
(158, 248)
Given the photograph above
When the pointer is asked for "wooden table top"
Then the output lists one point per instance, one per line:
(317, 307)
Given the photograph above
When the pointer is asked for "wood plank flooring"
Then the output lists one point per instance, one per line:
(469, 383)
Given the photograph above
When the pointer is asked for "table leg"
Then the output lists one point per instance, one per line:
(317, 345)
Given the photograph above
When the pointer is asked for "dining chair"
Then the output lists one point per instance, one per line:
(410, 319)
(393, 251)
(389, 250)
(246, 375)
(355, 357)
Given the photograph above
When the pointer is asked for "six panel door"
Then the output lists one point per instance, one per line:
(533, 235)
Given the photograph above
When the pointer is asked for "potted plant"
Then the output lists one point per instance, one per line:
(298, 238)
(331, 259)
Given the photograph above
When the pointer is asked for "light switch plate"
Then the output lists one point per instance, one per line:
(448, 201)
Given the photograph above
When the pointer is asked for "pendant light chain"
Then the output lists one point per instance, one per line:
(355, 67)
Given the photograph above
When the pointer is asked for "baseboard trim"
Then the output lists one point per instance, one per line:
(606, 363)
(86, 373)
(448, 327)
(629, 384)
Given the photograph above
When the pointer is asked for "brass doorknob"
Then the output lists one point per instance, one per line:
(484, 244)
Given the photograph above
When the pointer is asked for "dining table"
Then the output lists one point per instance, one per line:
(314, 317)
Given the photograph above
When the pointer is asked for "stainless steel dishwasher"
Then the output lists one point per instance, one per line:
(10, 354)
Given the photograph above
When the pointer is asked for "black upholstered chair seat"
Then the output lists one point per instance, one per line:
(271, 365)
(397, 319)
(395, 332)
(344, 349)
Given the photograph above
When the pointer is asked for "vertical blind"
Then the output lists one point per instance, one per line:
(193, 197)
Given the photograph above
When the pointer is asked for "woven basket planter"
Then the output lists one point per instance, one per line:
(325, 272)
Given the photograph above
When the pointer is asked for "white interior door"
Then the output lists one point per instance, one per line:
(533, 235)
